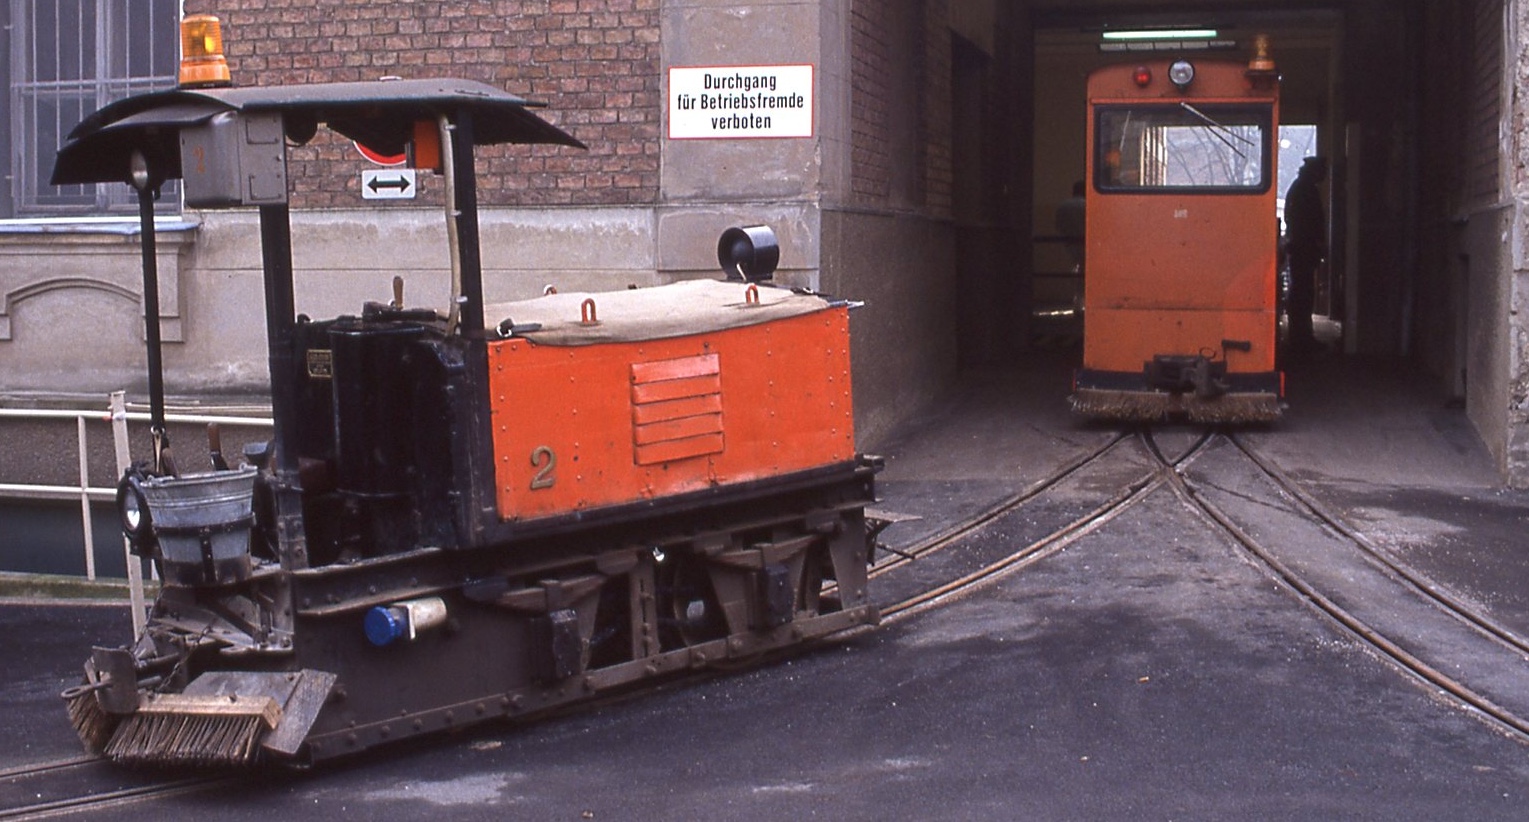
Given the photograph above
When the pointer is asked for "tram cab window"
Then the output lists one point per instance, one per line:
(1182, 147)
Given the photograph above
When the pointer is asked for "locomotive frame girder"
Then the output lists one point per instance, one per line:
(561, 546)
(558, 609)
(528, 702)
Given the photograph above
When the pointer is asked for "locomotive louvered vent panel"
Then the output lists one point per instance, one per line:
(676, 409)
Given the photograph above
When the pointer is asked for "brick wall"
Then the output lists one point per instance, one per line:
(594, 62)
(1482, 102)
(871, 102)
(935, 134)
(900, 105)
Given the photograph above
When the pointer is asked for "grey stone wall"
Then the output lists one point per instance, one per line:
(1517, 247)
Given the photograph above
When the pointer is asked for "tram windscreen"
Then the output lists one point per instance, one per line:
(1182, 147)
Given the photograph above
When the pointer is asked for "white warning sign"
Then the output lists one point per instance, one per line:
(721, 102)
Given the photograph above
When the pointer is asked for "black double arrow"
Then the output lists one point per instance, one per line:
(377, 184)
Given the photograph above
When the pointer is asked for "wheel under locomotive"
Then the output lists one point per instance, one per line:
(457, 520)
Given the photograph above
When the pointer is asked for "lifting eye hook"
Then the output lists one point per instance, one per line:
(587, 313)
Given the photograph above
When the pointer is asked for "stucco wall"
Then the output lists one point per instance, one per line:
(1489, 362)
(1517, 247)
(1505, 427)
(73, 303)
(903, 339)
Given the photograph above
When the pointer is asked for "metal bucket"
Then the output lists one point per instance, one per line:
(202, 523)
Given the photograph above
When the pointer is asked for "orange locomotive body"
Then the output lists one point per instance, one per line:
(1180, 297)
(601, 404)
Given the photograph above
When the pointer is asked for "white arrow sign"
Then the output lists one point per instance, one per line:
(388, 184)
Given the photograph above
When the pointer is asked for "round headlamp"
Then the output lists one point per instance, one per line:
(133, 512)
(1181, 73)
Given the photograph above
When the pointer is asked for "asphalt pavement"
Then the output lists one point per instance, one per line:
(1148, 671)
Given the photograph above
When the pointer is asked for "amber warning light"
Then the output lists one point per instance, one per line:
(202, 62)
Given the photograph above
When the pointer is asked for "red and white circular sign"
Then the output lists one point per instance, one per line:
(379, 158)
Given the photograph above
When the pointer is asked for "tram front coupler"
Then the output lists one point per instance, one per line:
(1188, 373)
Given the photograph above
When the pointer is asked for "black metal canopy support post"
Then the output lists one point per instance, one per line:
(465, 181)
(280, 311)
(151, 330)
(480, 503)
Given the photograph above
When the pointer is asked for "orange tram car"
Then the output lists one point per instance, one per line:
(1180, 289)
(468, 514)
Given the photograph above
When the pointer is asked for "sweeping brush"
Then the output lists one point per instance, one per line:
(93, 724)
(1236, 408)
(1130, 406)
(197, 731)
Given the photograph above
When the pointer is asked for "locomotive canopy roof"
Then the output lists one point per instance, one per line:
(138, 141)
(379, 114)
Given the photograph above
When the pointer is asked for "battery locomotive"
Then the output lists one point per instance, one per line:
(1180, 308)
(473, 513)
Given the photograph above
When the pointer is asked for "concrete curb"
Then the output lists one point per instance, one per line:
(16, 586)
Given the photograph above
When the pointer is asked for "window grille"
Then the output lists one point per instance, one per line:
(68, 58)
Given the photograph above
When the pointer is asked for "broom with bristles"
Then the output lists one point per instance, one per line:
(1236, 408)
(1128, 406)
(93, 724)
(199, 731)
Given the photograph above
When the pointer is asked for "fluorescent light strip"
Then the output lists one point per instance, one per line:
(1161, 34)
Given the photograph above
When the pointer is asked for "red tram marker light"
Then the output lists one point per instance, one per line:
(1142, 76)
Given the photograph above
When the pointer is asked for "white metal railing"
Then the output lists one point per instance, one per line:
(118, 415)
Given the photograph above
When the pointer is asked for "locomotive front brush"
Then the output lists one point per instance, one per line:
(201, 731)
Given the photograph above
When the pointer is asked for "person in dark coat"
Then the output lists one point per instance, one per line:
(1305, 248)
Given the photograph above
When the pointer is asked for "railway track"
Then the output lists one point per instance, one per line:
(1426, 631)
(1216, 474)
(1056, 511)
(1422, 629)
(64, 787)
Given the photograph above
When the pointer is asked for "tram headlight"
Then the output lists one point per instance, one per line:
(133, 512)
(1181, 73)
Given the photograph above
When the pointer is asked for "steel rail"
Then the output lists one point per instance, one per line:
(1047, 545)
(1428, 588)
(114, 799)
(35, 768)
(1401, 657)
(89, 800)
(958, 530)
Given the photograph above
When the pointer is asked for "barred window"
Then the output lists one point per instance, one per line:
(66, 58)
